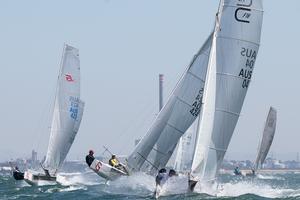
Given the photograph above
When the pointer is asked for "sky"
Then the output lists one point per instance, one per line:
(123, 46)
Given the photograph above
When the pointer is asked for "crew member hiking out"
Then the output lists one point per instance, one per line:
(161, 177)
(17, 174)
(172, 173)
(90, 158)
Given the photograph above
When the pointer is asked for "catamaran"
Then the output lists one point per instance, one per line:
(176, 116)
(67, 115)
(234, 47)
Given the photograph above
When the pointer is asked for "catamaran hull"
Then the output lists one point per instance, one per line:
(106, 171)
(37, 179)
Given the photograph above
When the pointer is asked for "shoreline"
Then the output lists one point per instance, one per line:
(226, 171)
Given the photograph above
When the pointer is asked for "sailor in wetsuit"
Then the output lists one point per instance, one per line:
(161, 177)
(90, 158)
(172, 173)
(17, 174)
(237, 171)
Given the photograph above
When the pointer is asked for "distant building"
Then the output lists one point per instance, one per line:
(34, 156)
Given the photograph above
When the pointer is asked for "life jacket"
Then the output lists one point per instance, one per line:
(113, 162)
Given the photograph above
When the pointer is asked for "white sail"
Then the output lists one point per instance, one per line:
(237, 43)
(185, 149)
(182, 108)
(205, 124)
(267, 138)
(68, 109)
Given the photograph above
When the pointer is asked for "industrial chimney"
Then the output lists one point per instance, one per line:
(161, 81)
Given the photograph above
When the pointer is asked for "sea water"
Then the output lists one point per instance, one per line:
(87, 185)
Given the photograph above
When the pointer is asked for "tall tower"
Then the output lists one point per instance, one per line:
(161, 82)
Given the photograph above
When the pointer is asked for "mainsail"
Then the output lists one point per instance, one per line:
(267, 138)
(237, 42)
(182, 108)
(68, 109)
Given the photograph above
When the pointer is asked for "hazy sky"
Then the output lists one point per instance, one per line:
(124, 45)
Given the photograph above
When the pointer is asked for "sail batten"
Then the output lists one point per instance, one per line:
(200, 79)
(228, 112)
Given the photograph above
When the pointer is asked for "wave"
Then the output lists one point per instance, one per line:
(68, 179)
(235, 188)
(260, 189)
(269, 177)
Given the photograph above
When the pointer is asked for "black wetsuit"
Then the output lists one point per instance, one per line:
(18, 175)
(89, 159)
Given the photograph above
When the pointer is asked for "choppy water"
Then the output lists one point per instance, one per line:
(87, 185)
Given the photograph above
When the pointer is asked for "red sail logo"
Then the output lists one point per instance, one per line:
(69, 77)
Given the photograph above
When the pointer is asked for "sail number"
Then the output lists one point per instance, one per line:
(196, 106)
(246, 71)
(74, 107)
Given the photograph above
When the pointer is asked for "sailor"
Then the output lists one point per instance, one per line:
(90, 158)
(17, 174)
(253, 172)
(114, 161)
(172, 173)
(47, 172)
(17, 169)
(237, 171)
(161, 177)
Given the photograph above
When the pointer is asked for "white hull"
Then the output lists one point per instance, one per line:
(39, 178)
(106, 171)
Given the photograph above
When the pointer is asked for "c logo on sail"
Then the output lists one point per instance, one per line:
(98, 166)
(242, 15)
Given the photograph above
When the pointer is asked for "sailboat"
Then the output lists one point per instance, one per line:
(233, 53)
(67, 115)
(267, 139)
(182, 108)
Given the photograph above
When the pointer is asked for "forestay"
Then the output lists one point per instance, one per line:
(267, 138)
(237, 44)
(182, 108)
(68, 109)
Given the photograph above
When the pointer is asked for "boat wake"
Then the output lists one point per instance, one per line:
(71, 179)
(140, 184)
